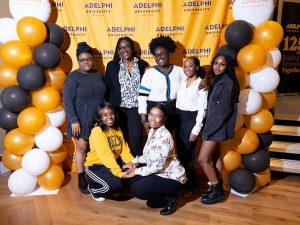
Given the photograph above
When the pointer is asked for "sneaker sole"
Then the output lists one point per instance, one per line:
(100, 199)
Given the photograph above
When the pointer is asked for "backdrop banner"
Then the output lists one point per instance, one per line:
(194, 25)
(289, 68)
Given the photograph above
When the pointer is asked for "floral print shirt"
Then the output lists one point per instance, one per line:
(159, 157)
(129, 83)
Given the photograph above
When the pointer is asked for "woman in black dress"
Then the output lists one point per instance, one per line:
(219, 123)
(84, 90)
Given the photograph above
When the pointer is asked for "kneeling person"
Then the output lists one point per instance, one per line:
(107, 144)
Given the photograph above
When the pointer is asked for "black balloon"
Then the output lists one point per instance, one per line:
(31, 77)
(225, 49)
(55, 34)
(257, 161)
(265, 139)
(8, 119)
(242, 181)
(15, 98)
(47, 55)
(238, 34)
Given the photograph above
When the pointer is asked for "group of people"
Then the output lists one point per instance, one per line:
(106, 117)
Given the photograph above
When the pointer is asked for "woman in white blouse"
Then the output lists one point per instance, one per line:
(191, 104)
(159, 174)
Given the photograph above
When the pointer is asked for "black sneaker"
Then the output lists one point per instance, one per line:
(214, 195)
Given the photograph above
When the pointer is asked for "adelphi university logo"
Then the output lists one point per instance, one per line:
(196, 6)
(147, 7)
(97, 8)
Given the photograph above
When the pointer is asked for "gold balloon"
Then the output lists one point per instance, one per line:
(8, 76)
(268, 34)
(69, 163)
(11, 161)
(232, 160)
(15, 54)
(51, 179)
(242, 77)
(31, 31)
(17, 142)
(46, 99)
(260, 122)
(246, 140)
(225, 176)
(252, 57)
(222, 40)
(31, 120)
(268, 99)
(263, 178)
(59, 155)
(56, 78)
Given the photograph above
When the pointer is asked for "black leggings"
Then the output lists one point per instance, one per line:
(154, 188)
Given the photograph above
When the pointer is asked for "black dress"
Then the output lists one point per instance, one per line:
(83, 92)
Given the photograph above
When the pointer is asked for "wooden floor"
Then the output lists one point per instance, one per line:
(278, 203)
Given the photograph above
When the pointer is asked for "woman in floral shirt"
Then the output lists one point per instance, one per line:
(158, 172)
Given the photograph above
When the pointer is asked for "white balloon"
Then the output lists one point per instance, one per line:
(35, 162)
(21, 183)
(57, 116)
(39, 9)
(8, 27)
(275, 56)
(265, 80)
(254, 12)
(49, 139)
(239, 122)
(250, 102)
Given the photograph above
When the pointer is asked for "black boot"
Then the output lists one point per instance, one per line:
(82, 183)
(170, 206)
(206, 193)
(214, 195)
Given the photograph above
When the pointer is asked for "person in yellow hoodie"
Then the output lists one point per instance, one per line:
(107, 144)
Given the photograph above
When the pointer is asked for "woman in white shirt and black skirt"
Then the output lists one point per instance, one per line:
(191, 104)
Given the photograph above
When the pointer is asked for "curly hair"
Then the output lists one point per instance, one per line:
(230, 70)
(164, 42)
(200, 71)
(117, 57)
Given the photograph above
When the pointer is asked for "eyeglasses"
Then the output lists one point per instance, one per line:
(124, 47)
(85, 60)
(151, 115)
(161, 54)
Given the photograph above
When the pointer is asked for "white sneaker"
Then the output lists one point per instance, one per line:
(96, 198)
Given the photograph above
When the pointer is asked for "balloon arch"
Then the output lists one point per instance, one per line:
(33, 80)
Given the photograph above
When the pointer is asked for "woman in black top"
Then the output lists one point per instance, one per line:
(123, 76)
(84, 90)
(219, 123)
